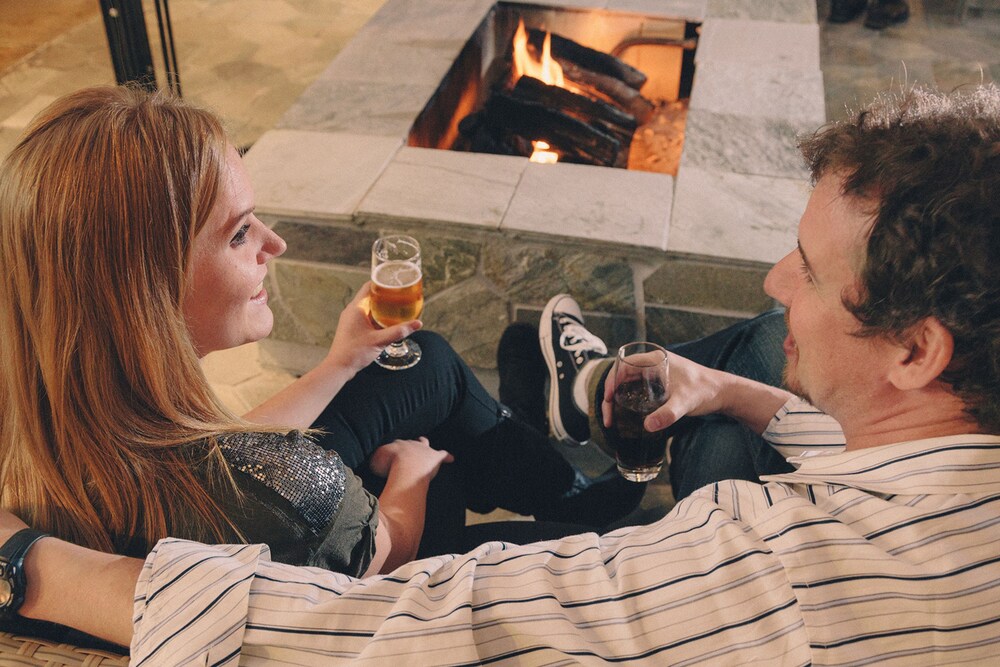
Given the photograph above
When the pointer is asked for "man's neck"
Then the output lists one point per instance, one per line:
(908, 416)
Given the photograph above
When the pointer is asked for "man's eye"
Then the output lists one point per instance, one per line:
(241, 236)
(805, 271)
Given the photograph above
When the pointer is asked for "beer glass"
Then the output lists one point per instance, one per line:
(397, 295)
(641, 385)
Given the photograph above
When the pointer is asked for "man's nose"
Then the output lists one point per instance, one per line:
(778, 283)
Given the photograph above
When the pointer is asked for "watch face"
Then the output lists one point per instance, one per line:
(6, 594)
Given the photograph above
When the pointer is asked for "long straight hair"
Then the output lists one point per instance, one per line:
(104, 409)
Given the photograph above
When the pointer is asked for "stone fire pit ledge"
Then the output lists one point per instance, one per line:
(646, 255)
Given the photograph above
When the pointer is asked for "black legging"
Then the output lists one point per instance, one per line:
(499, 460)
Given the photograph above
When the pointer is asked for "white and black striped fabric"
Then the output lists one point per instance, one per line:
(889, 555)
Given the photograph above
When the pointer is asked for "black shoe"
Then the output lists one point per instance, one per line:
(596, 502)
(844, 11)
(884, 13)
(566, 346)
(522, 375)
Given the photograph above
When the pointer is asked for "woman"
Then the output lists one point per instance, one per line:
(132, 250)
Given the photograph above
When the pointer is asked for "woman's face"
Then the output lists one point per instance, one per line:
(226, 304)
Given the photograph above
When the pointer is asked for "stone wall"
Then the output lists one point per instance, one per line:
(477, 281)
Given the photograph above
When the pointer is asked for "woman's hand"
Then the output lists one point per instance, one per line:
(358, 341)
(415, 458)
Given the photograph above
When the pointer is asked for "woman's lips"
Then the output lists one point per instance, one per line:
(261, 295)
(789, 345)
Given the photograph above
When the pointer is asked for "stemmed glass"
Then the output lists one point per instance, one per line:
(397, 295)
(641, 385)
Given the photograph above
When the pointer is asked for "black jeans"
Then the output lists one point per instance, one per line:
(499, 460)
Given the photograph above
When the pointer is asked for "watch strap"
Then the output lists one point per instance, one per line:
(12, 555)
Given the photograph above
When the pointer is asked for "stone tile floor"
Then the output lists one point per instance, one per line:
(250, 59)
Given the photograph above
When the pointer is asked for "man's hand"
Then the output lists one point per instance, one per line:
(694, 391)
(358, 341)
(697, 390)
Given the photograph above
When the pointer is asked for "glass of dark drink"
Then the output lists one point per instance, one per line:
(397, 295)
(641, 385)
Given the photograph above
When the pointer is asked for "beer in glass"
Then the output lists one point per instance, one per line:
(397, 295)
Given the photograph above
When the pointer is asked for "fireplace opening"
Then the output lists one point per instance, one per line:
(567, 85)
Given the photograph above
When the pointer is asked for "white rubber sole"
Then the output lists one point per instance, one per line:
(545, 341)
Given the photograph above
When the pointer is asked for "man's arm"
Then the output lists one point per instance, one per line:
(697, 390)
(88, 590)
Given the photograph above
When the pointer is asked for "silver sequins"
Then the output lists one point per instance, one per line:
(312, 479)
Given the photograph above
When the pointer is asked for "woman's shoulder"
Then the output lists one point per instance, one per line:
(309, 477)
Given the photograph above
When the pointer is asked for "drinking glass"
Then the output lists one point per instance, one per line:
(397, 295)
(641, 385)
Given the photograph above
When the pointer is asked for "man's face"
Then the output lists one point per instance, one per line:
(827, 363)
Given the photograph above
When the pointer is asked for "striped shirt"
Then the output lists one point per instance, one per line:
(886, 555)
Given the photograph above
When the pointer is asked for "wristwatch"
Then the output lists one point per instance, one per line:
(12, 581)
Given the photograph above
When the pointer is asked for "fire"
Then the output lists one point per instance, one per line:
(547, 70)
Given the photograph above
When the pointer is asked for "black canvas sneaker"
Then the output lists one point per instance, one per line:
(567, 346)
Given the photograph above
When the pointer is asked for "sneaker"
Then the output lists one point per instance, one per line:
(884, 13)
(566, 346)
(844, 11)
(522, 372)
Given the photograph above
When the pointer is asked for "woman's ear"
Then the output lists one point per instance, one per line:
(925, 355)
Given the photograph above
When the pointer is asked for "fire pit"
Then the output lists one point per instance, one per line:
(648, 255)
(595, 88)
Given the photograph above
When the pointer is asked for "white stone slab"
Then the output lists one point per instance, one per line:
(792, 46)
(445, 186)
(735, 215)
(417, 20)
(596, 203)
(787, 11)
(358, 107)
(581, 4)
(687, 9)
(377, 56)
(316, 174)
(744, 144)
(20, 118)
(767, 92)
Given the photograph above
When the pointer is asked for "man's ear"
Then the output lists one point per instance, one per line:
(924, 356)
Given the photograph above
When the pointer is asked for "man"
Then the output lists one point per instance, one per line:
(879, 544)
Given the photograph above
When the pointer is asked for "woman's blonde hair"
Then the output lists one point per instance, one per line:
(104, 409)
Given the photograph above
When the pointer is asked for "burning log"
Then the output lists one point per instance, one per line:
(608, 87)
(565, 49)
(574, 140)
(616, 122)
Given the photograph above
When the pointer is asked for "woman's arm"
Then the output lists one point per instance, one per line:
(355, 345)
(409, 465)
(84, 589)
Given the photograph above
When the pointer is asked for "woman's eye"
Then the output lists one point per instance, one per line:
(241, 236)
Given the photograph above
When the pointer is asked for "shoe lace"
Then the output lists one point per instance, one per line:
(575, 338)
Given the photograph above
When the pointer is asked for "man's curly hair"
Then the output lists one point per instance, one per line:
(929, 165)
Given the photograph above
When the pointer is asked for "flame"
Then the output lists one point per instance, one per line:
(547, 70)
(542, 154)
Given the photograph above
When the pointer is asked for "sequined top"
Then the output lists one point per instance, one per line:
(300, 499)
